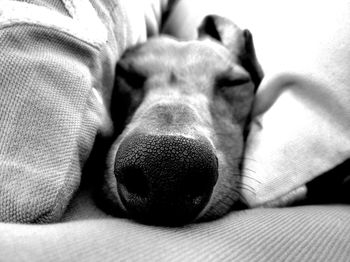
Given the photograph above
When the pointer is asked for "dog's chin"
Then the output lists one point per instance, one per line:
(216, 208)
(225, 198)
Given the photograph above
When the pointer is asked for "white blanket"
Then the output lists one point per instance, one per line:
(302, 112)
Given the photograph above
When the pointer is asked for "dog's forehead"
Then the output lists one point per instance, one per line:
(204, 44)
(163, 53)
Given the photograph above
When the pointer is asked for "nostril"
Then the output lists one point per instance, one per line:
(134, 181)
(196, 184)
(194, 189)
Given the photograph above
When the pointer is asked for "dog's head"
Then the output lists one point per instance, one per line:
(181, 109)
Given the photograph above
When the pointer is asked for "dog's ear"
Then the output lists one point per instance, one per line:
(239, 42)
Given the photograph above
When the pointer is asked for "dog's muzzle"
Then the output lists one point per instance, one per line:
(165, 179)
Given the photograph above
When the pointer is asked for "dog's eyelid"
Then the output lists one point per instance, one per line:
(227, 82)
(132, 83)
(232, 79)
(130, 76)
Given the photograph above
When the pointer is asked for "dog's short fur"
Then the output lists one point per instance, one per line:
(185, 106)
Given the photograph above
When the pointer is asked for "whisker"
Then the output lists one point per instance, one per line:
(241, 185)
(248, 169)
(238, 192)
(251, 190)
(252, 178)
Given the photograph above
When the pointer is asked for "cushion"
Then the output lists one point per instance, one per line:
(308, 233)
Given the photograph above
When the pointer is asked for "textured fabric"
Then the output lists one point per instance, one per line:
(302, 114)
(46, 101)
(309, 233)
(49, 113)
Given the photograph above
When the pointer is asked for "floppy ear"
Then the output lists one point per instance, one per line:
(238, 41)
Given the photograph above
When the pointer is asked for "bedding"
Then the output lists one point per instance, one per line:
(301, 117)
(303, 234)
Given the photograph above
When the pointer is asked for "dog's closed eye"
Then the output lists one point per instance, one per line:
(233, 83)
(232, 79)
(133, 78)
(235, 88)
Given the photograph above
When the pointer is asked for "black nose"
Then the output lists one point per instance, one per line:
(165, 179)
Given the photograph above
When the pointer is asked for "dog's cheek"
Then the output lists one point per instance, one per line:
(226, 191)
(239, 100)
(229, 149)
(229, 109)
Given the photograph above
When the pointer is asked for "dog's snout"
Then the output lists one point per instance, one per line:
(169, 117)
(165, 179)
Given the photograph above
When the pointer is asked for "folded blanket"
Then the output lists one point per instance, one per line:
(302, 115)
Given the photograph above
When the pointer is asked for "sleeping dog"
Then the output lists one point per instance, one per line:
(181, 110)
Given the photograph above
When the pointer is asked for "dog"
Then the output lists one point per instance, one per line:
(181, 110)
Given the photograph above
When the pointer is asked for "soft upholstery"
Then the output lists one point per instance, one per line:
(309, 233)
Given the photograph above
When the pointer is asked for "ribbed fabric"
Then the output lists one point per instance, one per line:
(49, 114)
(309, 233)
(43, 101)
